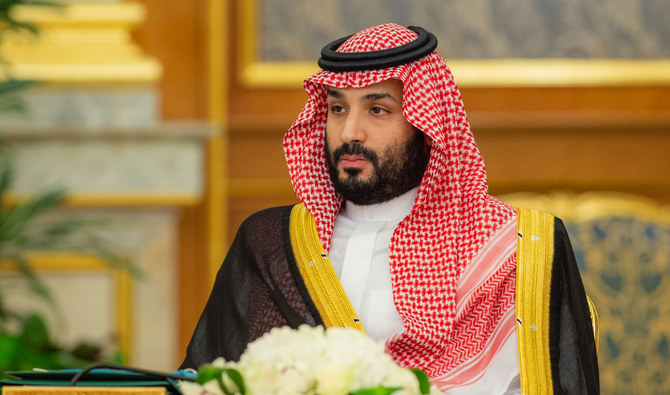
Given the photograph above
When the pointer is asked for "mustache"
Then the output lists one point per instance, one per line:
(354, 149)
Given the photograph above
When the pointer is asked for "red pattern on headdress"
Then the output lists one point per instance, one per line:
(453, 215)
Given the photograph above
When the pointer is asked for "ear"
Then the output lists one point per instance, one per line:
(428, 140)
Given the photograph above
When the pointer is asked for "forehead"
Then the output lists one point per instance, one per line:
(391, 87)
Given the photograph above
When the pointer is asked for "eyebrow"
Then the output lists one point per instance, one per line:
(378, 96)
(370, 96)
(334, 93)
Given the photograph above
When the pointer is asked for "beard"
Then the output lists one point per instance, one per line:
(396, 170)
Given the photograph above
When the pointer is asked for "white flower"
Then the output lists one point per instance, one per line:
(333, 379)
(311, 360)
(209, 388)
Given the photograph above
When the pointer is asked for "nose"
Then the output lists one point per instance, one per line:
(353, 130)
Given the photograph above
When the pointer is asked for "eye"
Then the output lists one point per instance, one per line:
(378, 110)
(336, 109)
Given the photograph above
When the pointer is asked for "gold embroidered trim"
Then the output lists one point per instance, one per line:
(320, 279)
(535, 247)
(595, 322)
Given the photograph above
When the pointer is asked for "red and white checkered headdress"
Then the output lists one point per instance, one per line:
(453, 215)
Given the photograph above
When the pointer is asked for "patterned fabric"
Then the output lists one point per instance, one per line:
(486, 284)
(453, 216)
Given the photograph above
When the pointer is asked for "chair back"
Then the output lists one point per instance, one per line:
(622, 245)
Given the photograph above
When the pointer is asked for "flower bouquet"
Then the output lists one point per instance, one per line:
(310, 360)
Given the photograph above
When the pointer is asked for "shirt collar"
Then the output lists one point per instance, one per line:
(394, 209)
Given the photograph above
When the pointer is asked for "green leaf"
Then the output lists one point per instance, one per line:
(6, 5)
(86, 351)
(116, 358)
(6, 170)
(13, 24)
(209, 372)
(11, 86)
(236, 378)
(35, 283)
(6, 14)
(65, 359)
(36, 349)
(422, 378)
(24, 340)
(10, 97)
(15, 219)
(35, 333)
(12, 105)
(44, 3)
(9, 349)
(376, 391)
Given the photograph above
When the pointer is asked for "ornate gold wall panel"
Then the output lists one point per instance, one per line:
(298, 26)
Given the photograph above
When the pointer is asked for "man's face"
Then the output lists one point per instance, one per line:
(373, 153)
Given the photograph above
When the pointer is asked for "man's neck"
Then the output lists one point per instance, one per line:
(394, 209)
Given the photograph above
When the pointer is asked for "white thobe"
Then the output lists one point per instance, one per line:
(359, 253)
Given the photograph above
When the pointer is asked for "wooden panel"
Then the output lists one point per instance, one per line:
(256, 154)
(541, 158)
(275, 109)
(193, 285)
(628, 160)
(175, 33)
(601, 100)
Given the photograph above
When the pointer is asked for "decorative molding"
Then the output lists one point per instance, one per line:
(119, 199)
(178, 130)
(560, 72)
(137, 71)
(80, 43)
(592, 205)
(468, 73)
(92, 13)
(216, 179)
(493, 73)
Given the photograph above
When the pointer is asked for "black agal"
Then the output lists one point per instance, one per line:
(332, 60)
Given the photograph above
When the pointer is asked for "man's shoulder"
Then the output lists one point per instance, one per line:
(267, 218)
(264, 227)
(534, 214)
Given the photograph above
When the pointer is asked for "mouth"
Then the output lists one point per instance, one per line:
(353, 160)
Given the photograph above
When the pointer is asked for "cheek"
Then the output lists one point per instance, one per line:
(332, 132)
(330, 143)
(404, 131)
(328, 137)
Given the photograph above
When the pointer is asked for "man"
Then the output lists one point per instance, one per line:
(396, 235)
